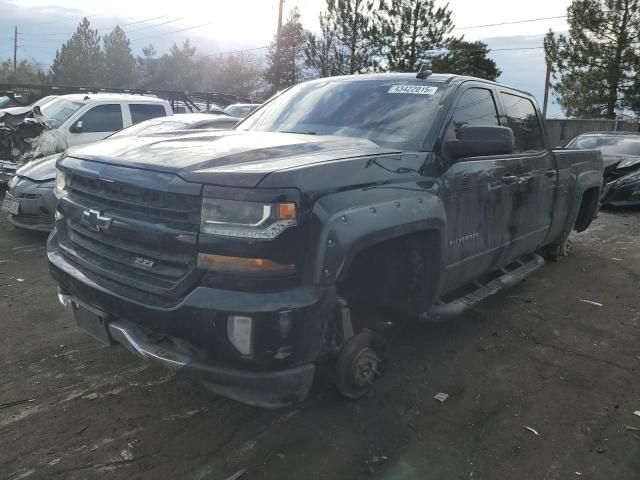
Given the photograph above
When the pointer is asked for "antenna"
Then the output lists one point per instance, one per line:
(424, 72)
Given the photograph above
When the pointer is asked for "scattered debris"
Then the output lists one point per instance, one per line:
(590, 302)
(637, 413)
(637, 437)
(412, 426)
(578, 473)
(17, 402)
(441, 397)
(633, 429)
(601, 450)
(616, 259)
(20, 279)
(532, 430)
(237, 475)
(91, 396)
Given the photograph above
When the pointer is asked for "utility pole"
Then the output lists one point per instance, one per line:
(15, 48)
(280, 8)
(547, 83)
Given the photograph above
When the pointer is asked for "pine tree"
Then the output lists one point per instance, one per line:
(467, 58)
(354, 26)
(596, 65)
(286, 57)
(323, 53)
(79, 60)
(147, 67)
(409, 30)
(119, 63)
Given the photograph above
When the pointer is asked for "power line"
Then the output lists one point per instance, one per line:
(57, 34)
(154, 25)
(531, 20)
(172, 32)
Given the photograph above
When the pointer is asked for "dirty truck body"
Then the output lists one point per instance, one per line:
(246, 257)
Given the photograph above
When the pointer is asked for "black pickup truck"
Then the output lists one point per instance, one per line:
(343, 205)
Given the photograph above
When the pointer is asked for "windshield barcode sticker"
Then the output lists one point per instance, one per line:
(413, 89)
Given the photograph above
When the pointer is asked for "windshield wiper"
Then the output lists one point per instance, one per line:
(299, 133)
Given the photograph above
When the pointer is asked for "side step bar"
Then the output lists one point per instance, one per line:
(444, 311)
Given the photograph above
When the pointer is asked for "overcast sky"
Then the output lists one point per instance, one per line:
(224, 25)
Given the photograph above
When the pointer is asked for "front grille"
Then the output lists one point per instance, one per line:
(148, 241)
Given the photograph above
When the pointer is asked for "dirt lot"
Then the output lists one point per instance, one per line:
(535, 356)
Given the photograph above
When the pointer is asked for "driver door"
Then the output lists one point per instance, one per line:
(478, 195)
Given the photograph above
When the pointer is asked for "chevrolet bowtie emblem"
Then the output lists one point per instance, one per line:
(95, 220)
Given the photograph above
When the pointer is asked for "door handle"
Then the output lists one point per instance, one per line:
(551, 173)
(509, 179)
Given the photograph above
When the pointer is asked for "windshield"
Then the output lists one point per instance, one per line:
(608, 144)
(153, 126)
(58, 111)
(391, 113)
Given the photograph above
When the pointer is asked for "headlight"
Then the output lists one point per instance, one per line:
(232, 218)
(629, 163)
(12, 182)
(47, 184)
(61, 183)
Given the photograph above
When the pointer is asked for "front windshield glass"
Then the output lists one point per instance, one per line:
(608, 144)
(390, 112)
(58, 111)
(153, 126)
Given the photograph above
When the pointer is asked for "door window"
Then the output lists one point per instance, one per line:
(144, 111)
(102, 118)
(476, 107)
(522, 118)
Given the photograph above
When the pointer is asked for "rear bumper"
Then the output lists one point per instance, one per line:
(192, 336)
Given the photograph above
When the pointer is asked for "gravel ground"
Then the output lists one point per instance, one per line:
(535, 357)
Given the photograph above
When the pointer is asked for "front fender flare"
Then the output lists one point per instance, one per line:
(348, 230)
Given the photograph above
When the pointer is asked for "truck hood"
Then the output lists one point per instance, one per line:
(230, 158)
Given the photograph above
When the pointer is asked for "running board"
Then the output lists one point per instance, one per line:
(443, 311)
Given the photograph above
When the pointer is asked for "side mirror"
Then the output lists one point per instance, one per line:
(481, 142)
(76, 127)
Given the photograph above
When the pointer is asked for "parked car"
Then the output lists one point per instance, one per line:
(22, 109)
(30, 200)
(7, 102)
(70, 120)
(621, 154)
(246, 257)
(241, 110)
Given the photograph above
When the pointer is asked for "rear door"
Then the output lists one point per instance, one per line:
(537, 174)
(144, 111)
(478, 194)
(98, 122)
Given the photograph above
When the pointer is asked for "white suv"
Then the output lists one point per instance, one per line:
(87, 118)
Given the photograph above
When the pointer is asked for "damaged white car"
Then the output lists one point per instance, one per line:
(69, 120)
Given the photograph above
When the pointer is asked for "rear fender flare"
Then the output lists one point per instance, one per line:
(347, 231)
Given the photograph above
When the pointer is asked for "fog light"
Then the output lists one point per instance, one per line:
(240, 332)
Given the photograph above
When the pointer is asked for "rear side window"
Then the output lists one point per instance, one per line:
(102, 118)
(477, 108)
(144, 111)
(522, 118)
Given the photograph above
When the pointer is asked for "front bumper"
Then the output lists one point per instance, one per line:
(37, 206)
(192, 337)
(622, 192)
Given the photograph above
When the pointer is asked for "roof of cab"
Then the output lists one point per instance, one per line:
(113, 97)
(444, 78)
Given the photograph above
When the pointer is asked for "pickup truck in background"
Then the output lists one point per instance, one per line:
(248, 257)
(53, 124)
